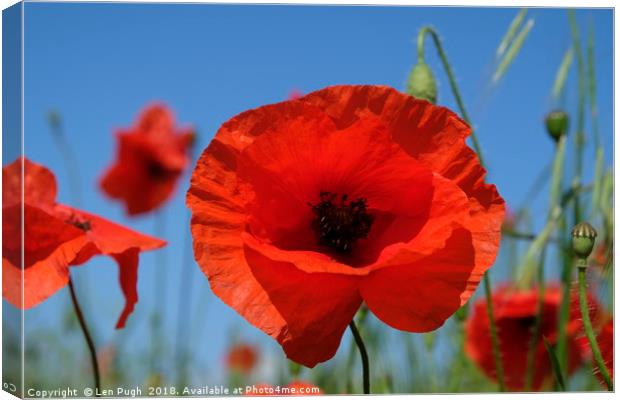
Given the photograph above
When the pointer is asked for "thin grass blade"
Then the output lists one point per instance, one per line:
(510, 33)
(562, 74)
(513, 51)
(555, 364)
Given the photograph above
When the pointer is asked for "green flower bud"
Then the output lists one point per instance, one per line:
(584, 236)
(557, 124)
(422, 83)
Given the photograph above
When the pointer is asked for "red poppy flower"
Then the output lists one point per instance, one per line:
(242, 358)
(57, 237)
(151, 157)
(515, 315)
(300, 388)
(303, 209)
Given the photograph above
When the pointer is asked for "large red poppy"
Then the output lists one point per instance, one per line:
(56, 237)
(515, 315)
(305, 208)
(150, 159)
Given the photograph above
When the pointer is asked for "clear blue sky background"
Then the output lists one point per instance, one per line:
(99, 64)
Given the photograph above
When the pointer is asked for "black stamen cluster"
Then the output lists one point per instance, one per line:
(78, 223)
(157, 171)
(340, 225)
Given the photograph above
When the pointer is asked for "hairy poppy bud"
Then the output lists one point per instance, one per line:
(583, 239)
(557, 124)
(422, 83)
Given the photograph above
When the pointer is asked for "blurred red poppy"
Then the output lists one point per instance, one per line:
(57, 237)
(242, 358)
(305, 208)
(515, 315)
(300, 388)
(151, 157)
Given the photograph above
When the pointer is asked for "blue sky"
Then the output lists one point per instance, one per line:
(99, 64)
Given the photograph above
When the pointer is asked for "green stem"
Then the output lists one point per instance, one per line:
(89, 339)
(70, 161)
(476, 145)
(564, 312)
(579, 135)
(159, 294)
(363, 354)
(497, 357)
(451, 78)
(534, 340)
(587, 324)
(555, 204)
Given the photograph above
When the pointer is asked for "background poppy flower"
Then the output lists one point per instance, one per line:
(299, 388)
(242, 358)
(515, 315)
(151, 156)
(57, 237)
(305, 208)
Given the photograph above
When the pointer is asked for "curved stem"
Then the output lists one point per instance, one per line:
(451, 78)
(89, 340)
(363, 354)
(459, 101)
(587, 325)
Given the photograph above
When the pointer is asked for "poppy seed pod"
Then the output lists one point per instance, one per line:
(421, 83)
(584, 236)
(557, 124)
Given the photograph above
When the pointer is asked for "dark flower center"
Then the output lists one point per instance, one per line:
(157, 171)
(341, 224)
(79, 223)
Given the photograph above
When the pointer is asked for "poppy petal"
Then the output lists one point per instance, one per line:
(317, 307)
(106, 237)
(128, 277)
(39, 184)
(49, 246)
(406, 296)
